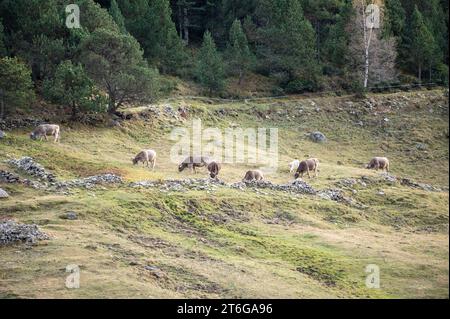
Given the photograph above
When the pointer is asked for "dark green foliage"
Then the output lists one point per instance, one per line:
(73, 88)
(116, 14)
(149, 21)
(239, 54)
(422, 46)
(16, 87)
(287, 40)
(116, 62)
(210, 69)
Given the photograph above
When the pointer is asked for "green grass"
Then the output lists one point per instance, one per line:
(234, 244)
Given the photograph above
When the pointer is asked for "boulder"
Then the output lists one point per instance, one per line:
(3, 194)
(318, 137)
(12, 232)
(2, 135)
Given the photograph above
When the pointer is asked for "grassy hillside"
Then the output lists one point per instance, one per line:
(151, 243)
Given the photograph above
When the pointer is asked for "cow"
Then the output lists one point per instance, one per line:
(378, 163)
(146, 157)
(193, 162)
(43, 130)
(214, 169)
(251, 176)
(307, 166)
(294, 165)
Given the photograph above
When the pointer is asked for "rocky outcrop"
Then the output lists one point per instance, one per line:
(28, 165)
(89, 182)
(12, 232)
(3, 194)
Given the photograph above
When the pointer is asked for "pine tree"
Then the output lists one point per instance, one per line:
(395, 18)
(422, 46)
(73, 88)
(150, 22)
(163, 44)
(16, 86)
(240, 57)
(210, 71)
(116, 14)
(288, 44)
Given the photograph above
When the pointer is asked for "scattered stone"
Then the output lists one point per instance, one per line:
(3, 194)
(69, 216)
(7, 177)
(155, 271)
(425, 187)
(2, 135)
(318, 137)
(28, 165)
(90, 182)
(297, 187)
(11, 232)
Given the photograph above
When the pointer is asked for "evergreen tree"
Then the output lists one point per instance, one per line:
(240, 57)
(287, 44)
(163, 46)
(150, 22)
(422, 45)
(115, 61)
(73, 88)
(16, 86)
(116, 14)
(210, 71)
(395, 18)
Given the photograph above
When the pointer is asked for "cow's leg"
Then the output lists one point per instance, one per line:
(153, 164)
(307, 171)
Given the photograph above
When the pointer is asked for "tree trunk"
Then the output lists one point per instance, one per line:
(420, 73)
(367, 42)
(74, 111)
(2, 106)
(241, 76)
(186, 26)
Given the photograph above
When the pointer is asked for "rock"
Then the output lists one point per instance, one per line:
(413, 184)
(318, 137)
(28, 165)
(421, 146)
(11, 232)
(155, 271)
(2, 135)
(90, 182)
(69, 216)
(114, 123)
(7, 177)
(3, 194)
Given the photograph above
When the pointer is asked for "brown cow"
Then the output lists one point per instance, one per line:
(214, 169)
(307, 166)
(193, 162)
(378, 163)
(146, 157)
(251, 176)
(46, 129)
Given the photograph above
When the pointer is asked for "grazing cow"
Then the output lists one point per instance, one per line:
(43, 130)
(194, 162)
(214, 169)
(294, 165)
(378, 163)
(307, 166)
(146, 157)
(251, 176)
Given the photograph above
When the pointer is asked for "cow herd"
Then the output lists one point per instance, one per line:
(148, 158)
